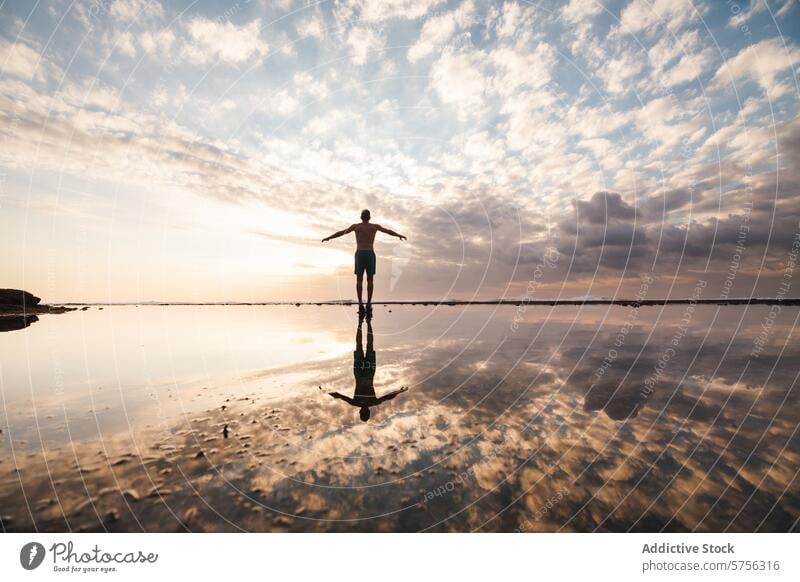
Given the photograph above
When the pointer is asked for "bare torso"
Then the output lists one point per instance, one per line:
(365, 235)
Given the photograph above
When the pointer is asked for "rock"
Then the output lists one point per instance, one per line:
(190, 515)
(18, 297)
(131, 494)
(45, 504)
(160, 491)
(83, 505)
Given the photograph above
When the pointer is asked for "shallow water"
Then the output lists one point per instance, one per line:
(499, 419)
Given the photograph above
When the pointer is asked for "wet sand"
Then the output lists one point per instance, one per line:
(499, 430)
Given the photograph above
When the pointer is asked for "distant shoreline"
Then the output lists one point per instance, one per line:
(55, 308)
(465, 302)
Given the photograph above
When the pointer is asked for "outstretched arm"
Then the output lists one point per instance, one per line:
(391, 395)
(391, 232)
(340, 233)
(342, 397)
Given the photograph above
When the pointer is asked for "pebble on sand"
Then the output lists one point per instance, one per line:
(190, 515)
(131, 494)
(85, 504)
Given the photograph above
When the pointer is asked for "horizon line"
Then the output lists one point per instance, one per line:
(460, 302)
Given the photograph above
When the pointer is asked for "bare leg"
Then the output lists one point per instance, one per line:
(359, 289)
(370, 287)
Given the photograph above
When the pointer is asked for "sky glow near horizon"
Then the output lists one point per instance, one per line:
(198, 151)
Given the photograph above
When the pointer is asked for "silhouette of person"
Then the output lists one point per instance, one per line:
(365, 260)
(364, 366)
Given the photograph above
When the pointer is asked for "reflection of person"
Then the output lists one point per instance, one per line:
(365, 255)
(364, 366)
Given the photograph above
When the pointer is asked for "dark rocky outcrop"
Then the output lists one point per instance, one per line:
(16, 302)
(18, 298)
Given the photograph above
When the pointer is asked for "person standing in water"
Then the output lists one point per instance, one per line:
(365, 260)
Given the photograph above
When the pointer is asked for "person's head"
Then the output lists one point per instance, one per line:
(364, 413)
(365, 216)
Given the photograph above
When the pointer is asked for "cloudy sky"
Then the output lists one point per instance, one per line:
(197, 150)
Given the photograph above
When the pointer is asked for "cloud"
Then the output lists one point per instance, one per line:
(602, 208)
(756, 7)
(437, 30)
(92, 95)
(124, 44)
(762, 63)
(158, 42)
(363, 43)
(312, 27)
(371, 11)
(514, 20)
(677, 60)
(327, 122)
(580, 10)
(668, 122)
(668, 48)
(517, 68)
(21, 60)
(458, 79)
(307, 85)
(580, 16)
(689, 68)
(210, 41)
(129, 10)
(617, 73)
(529, 120)
(646, 15)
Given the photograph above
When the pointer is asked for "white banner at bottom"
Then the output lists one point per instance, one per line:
(334, 557)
